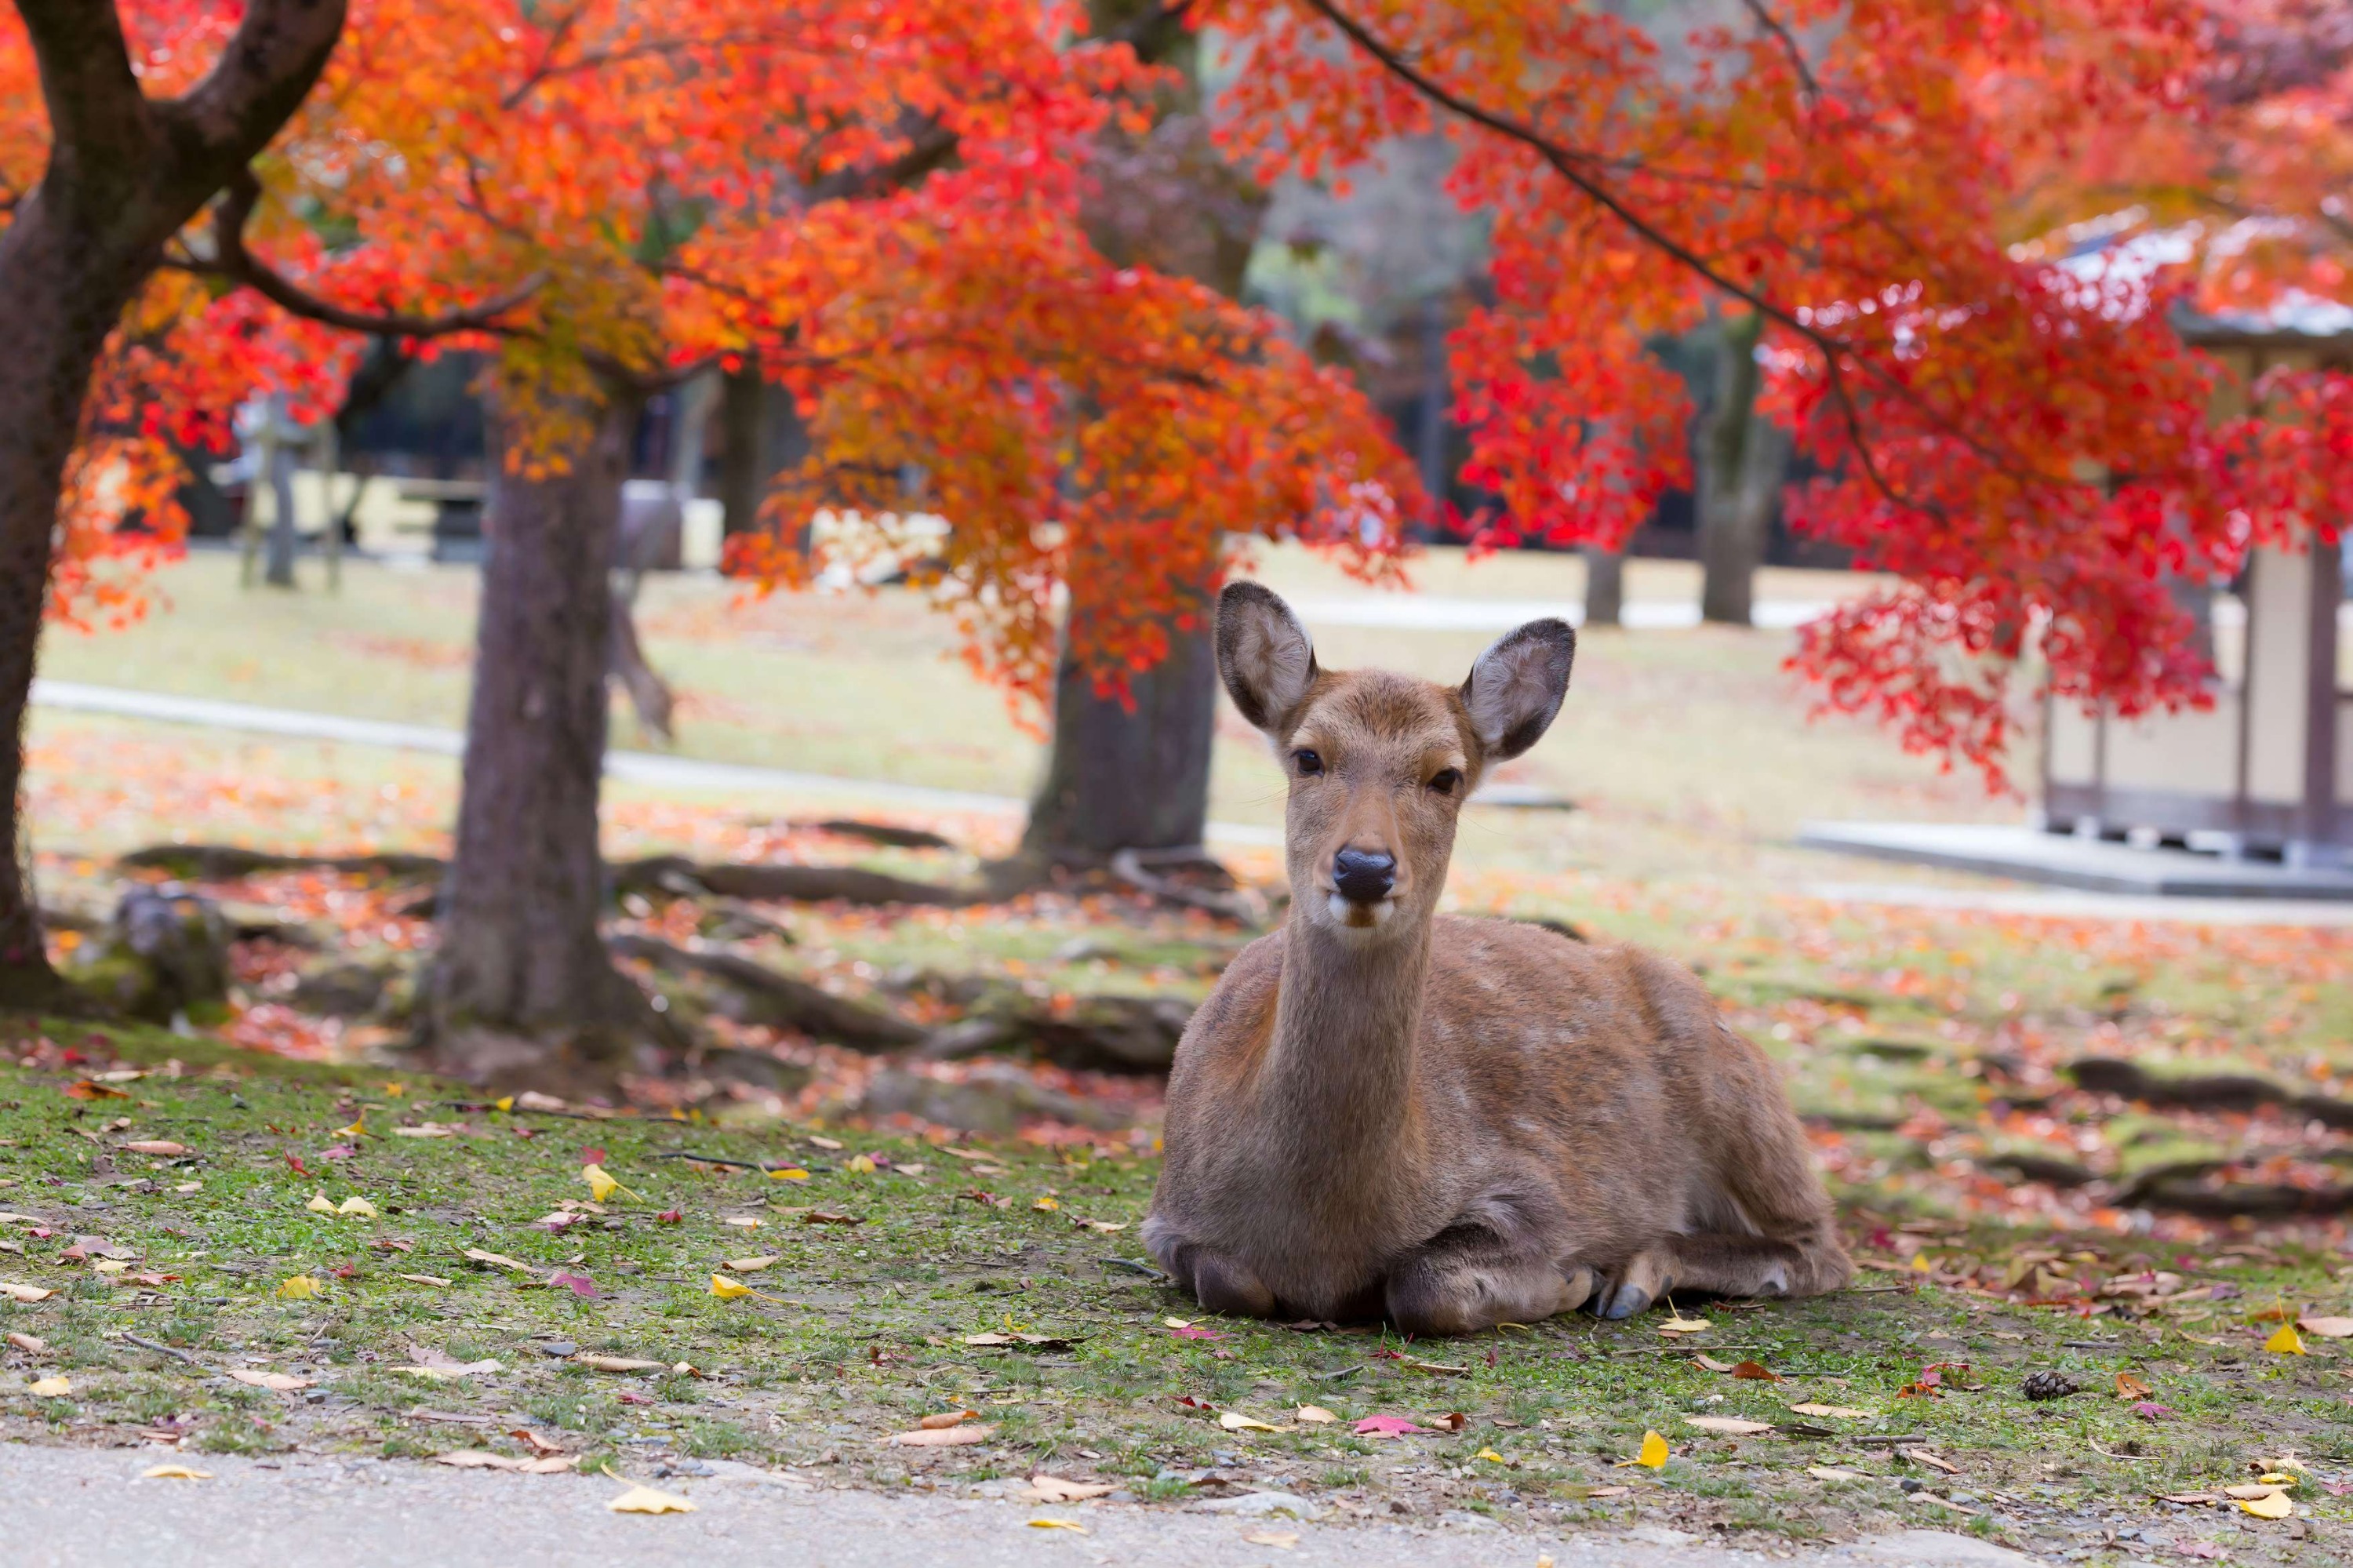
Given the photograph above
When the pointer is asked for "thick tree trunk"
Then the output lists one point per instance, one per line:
(521, 992)
(62, 302)
(1742, 460)
(124, 174)
(743, 456)
(1120, 777)
(1605, 585)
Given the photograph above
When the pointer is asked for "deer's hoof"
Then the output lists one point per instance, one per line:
(1578, 1285)
(1626, 1300)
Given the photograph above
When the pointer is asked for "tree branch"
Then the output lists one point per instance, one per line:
(1774, 25)
(232, 261)
(262, 76)
(96, 110)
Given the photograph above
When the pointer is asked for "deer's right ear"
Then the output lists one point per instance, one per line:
(1263, 654)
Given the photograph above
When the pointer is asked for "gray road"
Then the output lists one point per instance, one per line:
(84, 1507)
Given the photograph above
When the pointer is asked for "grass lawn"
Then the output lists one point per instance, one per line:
(1930, 1049)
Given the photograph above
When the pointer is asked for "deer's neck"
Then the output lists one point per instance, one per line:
(1340, 1068)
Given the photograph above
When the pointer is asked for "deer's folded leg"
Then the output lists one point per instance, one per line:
(1708, 1264)
(1217, 1282)
(1461, 1283)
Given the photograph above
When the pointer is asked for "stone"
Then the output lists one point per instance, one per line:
(165, 955)
(342, 990)
(1259, 1505)
(1935, 1549)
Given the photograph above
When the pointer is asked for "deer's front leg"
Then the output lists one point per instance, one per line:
(1464, 1281)
(1217, 1280)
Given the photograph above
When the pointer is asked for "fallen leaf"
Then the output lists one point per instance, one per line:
(1833, 1473)
(1653, 1455)
(601, 1183)
(450, 1373)
(1055, 1490)
(1679, 1324)
(1933, 1460)
(2273, 1505)
(2327, 1328)
(1842, 1412)
(320, 1205)
(788, 1173)
(1176, 1322)
(1435, 1369)
(424, 1279)
(1235, 1421)
(28, 1343)
(1712, 1365)
(826, 1217)
(356, 1206)
(174, 1473)
(942, 1436)
(2285, 1342)
(87, 1091)
(24, 1292)
(825, 1142)
(498, 1260)
(580, 1285)
(297, 1287)
(944, 1419)
(1387, 1426)
(1281, 1540)
(2130, 1387)
(1729, 1425)
(728, 1290)
(1071, 1525)
(616, 1363)
(537, 1443)
(539, 1465)
(2251, 1489)
(280, 1383)
(1314, 1413)
(2191, 1498)
(743, 1221)
(859, 1165)
(159, 1146)
(1756, 1372)
(645, 1500)
(430, 1129)
(1046, 1204)
(1489, 1454)
(51, 1387)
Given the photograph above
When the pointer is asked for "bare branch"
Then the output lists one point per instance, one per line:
(1773, 24)
(233, 260)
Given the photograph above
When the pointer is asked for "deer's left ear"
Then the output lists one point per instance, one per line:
(1516, 687)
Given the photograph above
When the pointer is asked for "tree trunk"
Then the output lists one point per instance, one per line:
(62, 302)
(1605, 585)
(284, 541)
(1742, 460)
(124, 174)
(522, 993)
(1120, 777)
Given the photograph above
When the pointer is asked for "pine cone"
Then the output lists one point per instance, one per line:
(2049, 1385)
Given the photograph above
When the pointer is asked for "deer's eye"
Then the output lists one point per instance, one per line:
(1448, 780)
(1308, 763)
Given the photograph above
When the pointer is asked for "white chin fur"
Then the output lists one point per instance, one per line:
(1358, 919)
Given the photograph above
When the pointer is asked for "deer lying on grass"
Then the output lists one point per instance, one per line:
(1449, 1123)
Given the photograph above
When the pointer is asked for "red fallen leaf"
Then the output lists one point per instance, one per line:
(2149, 1410)
(592, 1155)
(1453, 1421)
(152, 1281)
(1756, 1372)
(537, 1443)
(295, 1161)
(1196, 1334)
(344, 1271)
(74, 1254)
(580, 1285)
(669, 1217)
(86, 1089)
(628, 1396)
(1387, 1426)
(339, 1151)
(391, 1244)
(2337, 1489)
(1190, 1402)
(40, 1233)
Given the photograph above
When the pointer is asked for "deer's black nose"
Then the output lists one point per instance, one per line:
(1364, 876)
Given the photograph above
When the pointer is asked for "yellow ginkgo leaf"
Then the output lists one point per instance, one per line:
(2271, 1504)
(356, 1206)
(1654, 1451)
(504, 1103)
(319, 1205)
(297, 1287)
(1235, 1421)
(601, 1182)
(358, 1128)
(646, 1500)
(1070, 1524)
(1489, 1454)
(728, 1290)
(751, 1265)
(1312, 1413)
(1679, 1324)
(2286, 1342)
(1048, 1204)
(174, 1473)
(52, 1387)
(1178, 1322)
(859, 1165)
(1920, 1263)
(788, 1173)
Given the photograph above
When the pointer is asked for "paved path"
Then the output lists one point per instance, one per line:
(74, 1507)
(2144, 909)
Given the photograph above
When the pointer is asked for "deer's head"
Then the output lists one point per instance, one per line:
(1379, 763)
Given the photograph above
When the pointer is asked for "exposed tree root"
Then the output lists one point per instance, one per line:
(887, 834)
(1100, 1034)
(1160, 873)
(759, 995)
(800, 884)
(227, 863)
(2226, 1092)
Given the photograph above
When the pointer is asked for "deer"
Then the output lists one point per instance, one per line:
(1385, 1114)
